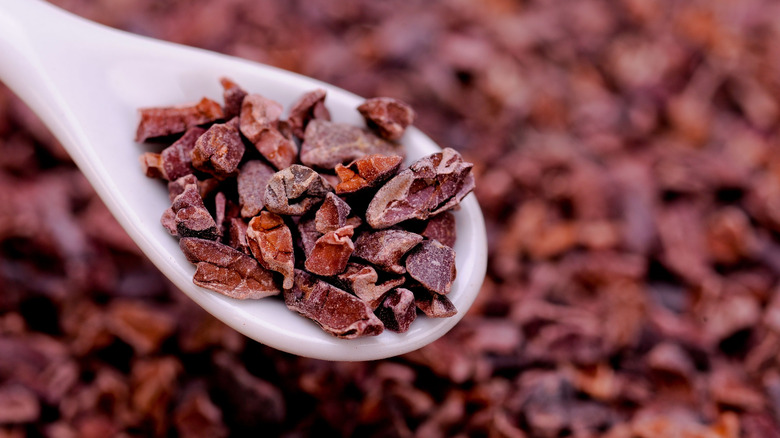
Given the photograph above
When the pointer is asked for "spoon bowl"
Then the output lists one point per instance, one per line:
(86, 82)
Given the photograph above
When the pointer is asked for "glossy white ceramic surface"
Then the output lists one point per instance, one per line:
(86, 82)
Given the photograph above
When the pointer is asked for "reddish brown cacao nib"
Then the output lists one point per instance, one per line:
(387, 116)
(259, 124)
(326, 144)
(233, 96)
(228, 271)
(331, 252)
(336, 311)
(190, 215)
(385, 248)
(363, 281)
(430, 186)
(332, 214)
(270, 241)
(310, 106)
(433, 266)
(398, 311)
(158, 122)
(218, 151)
(366, 172)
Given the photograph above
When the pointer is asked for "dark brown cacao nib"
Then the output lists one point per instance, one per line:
(336, 311)
(295, 190)
(433, 304)
(387, 116)
(385, 248)
(233, 96)
(310, 106)
(227, 270)
(363, 281)
(442, 228)
(162, 121)
(253, 178)
(430, 186)
(432, 265)
(191, 217)
(366, 172)
(177, 158)
(327, 144)
(398, 311)
(218, 151)
(270, 241)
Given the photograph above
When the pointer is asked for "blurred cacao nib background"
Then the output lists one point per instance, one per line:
(628, 166)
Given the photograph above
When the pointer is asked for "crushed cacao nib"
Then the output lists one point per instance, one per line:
(387, 116)
(431, 185)
(159, 122)
(385, 248)
(337, 312)
(175, 161)
(363, 281)
(227, 270)
(253, 178)
(433, 266)
(295, 190)
(218, 151)
(398, 310)
(332, 214)
(237, 235)
(271, 243)
(310, 106)
(433, 304)
(259, 123)
(441, 228)
(233, 96)
(327, 144)
(191, 217)
(331, 252)
(366, 172)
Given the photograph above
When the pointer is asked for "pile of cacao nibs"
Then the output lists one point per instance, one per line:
(627, 155)
(357, 245)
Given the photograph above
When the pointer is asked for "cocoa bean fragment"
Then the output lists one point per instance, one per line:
(385, 248)
(175, 161)
(259, 124)
(191, 217)
(227, 270)
(252, 181)
(431, 185)
(363, 281)
(433, 304)
(336, 311)
(233, 96)
(295, 190)
(162, 121)
(433, 266)
(441, 228)
(331, 252)
(398, 311)
(326, 144)
(218, 151)
(366, 172)
(310, 106)
(270, 242)
(332, 214)
(388, 117)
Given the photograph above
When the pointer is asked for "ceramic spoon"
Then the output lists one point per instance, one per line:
(86, 82)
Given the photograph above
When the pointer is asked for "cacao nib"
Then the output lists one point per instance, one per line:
(363, 281)
(270, 241)
(295, 190)
(218, 151)
(252, 180)
(162, 121)
(385, 248)
(398, 311)
(366, 172)
(433, 266)
(327, 144)
(337, 312)
(227, 270)
(310, 106)
(331, 252)
(430, 186)
(387, 116)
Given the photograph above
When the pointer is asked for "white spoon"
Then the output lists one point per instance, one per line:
(86, 81)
